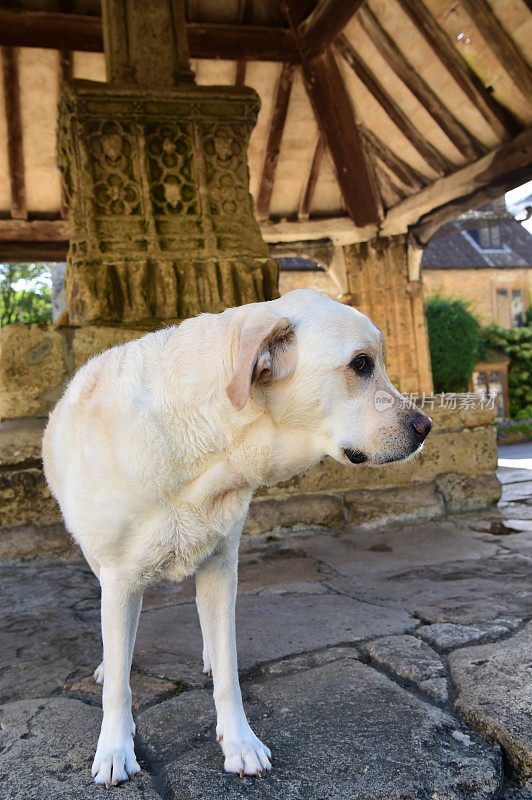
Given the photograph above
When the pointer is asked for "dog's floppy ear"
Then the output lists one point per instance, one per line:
(266, 352)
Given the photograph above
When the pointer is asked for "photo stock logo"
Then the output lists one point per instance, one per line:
(383, 400)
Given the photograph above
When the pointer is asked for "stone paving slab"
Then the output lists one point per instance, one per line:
(146, 690)
(274, 571)
(445, 636)
(519, 542)
(470, 592)
(46, 751)
(346, 732)
(515, 525)
(41, 653)
(494, 685)
(410, 659)
(358, 552)
(169, 638)
(520, 490)
(513, 510)
(512, 474)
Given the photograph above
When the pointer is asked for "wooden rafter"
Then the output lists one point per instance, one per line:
(498, 40)
(434, 159)
(245, 14)
(66, 67)
(240, 73)
(390, 191)
(38, 240)
(66, 73)
(280, 110)
(502, 122)
(507, 166)
(464, 141)
(306, 199)
(336, 121)
(328, 19)
(42, 230)
(15, 152)
(205, 40)
(406, 174)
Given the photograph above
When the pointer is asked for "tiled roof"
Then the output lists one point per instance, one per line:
(459, 249)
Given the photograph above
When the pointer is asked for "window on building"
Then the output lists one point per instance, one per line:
(489, 238)
(491, 385)
(510, 307)
(518, 308)
(502, 308)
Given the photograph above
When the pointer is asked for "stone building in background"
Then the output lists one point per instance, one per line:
(485, 257)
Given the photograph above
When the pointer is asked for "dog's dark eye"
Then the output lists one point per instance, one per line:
(362, 365)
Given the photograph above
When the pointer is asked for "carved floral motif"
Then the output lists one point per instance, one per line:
(116, 190)
(169, 151)
(224, 147)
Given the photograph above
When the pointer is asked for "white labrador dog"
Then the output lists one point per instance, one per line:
(157, 446)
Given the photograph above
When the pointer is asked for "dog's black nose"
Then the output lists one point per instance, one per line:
(421, 424)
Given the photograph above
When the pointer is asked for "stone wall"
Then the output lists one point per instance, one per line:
(454, 473)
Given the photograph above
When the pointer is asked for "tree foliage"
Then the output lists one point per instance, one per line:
(517, 345)
(25, 293)
(454, 337)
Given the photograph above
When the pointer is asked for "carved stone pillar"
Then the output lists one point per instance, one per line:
(381, 287)
(156, 179)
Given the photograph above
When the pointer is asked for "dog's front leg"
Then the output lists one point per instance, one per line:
(115, 756)
(216, 582)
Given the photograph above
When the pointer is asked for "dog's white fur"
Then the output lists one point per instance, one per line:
(154, 453)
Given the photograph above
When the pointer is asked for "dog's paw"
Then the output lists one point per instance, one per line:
(114, 763)
(245, 754)
(98, 673)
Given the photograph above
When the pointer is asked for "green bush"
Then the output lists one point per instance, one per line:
(454, 337)
(25, 293)
(517, 345)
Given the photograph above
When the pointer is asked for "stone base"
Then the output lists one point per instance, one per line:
(454, 473)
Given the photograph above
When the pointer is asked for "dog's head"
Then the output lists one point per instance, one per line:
(318, 368)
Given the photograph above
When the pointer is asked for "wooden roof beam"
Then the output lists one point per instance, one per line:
(240, 73)
(66, 73)
(15, 153)
(504, 168)
(308, 195)
(280, 110)
(324, 23)
(205, 40)
(40, 230)
(500, 43)
(245, 14)
(500, 119)
(464, 141)
(336, 122)
(391, 192)
(434, 159)
(406, 174)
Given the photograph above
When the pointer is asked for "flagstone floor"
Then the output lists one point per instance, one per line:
(385, 664)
